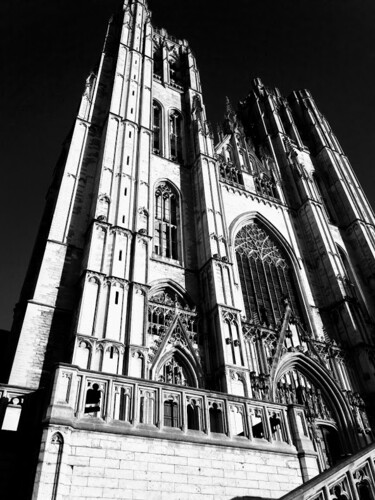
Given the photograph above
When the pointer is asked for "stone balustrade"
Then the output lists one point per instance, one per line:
(12, 400)
(351, 479)
(85, 398)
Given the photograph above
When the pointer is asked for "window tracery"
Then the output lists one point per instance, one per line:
(163, 308)
(172, 372)
(265, 276)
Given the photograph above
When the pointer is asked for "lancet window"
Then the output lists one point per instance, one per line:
(175, 135)
(265, 276)
(165, 224)
(157, 128)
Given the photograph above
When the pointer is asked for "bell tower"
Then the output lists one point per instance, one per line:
(196, 310)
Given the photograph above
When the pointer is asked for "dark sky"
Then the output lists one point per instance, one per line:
(48, 47)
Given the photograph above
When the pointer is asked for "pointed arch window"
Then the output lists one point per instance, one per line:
(193, 410)
(156, 128)
(175, 135)
(265, 276)
(165, 223)
(171, 413)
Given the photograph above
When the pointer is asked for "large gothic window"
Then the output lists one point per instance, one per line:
(157, 128)
(175, 134)
(165, 224)
(266, 278)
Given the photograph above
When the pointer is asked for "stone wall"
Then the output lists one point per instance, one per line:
(99, 465)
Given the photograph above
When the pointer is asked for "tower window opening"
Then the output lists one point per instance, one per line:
(158, 63)
(127, 160)
(120, 255)
(175, 135)
(175, 72)
(123, 219)
(165, 225)
(116, 297)
(157, 128)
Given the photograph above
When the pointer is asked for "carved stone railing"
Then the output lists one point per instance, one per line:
(83, 398)
(12, 400)
(352, 479)
(230, 173)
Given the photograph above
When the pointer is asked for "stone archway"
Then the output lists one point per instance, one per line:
(324, 402)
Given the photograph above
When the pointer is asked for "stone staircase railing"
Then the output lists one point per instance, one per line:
(351, 479)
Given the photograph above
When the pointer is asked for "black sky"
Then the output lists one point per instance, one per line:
(48, 47)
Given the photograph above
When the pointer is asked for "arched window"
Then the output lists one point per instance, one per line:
(193, 415)
(147, 407)
(165, 225)
(157, 128)
(171, 417)
(266, 278)
(93, 397)
(216, 419)
(175, 135)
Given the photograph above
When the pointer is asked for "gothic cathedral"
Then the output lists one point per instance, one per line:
(197, 321)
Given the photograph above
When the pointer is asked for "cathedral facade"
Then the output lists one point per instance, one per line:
(197, 320)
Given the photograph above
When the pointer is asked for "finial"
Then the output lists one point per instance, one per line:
(230, 118)
(228, 106)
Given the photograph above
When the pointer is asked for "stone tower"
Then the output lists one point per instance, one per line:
(197, 319)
